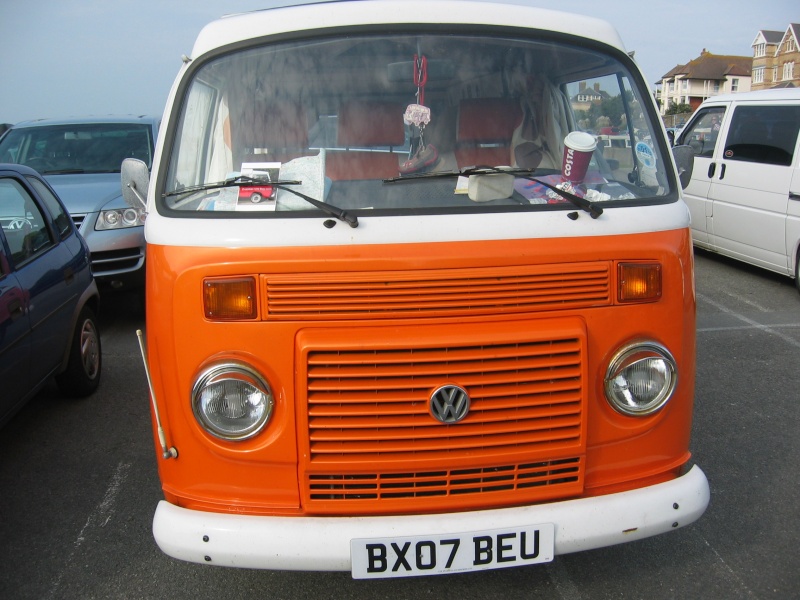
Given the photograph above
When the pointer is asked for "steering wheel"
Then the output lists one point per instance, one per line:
(19, 223)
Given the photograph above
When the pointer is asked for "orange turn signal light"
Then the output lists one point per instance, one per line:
(230, 299)
(639, 282)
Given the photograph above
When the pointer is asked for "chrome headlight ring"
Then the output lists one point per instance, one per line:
(641, 379)
(232, 401)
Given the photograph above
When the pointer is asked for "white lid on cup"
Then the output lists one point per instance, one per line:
(580, 141)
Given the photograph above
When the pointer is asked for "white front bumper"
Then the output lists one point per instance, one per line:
(323, 543)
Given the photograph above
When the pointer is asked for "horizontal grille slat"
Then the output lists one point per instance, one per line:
(480, 291)
(354, 400)
(421, 418)
(455, 482)
(398, 431)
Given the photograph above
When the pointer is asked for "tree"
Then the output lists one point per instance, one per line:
(677, 109)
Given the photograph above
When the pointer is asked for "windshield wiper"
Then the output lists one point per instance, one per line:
(465, 172)
(64, 172)
(587, 205)
(236, 181)
(330, 209)
(590, 207)
(245, 180)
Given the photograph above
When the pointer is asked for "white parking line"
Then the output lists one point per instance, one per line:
(753, 324)
(101, 514)
(731, 574)
(744, 300)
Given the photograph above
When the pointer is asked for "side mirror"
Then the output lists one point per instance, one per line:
(135, 180)
(684, 160)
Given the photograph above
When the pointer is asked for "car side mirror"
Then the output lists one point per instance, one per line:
(135, 180)
(684, 160)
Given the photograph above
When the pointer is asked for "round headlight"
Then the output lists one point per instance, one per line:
(641, 379)
(232, 401)
(130, 217)
(112, 218)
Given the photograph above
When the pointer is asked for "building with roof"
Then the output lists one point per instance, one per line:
(587, 96)
(705, 76)
(776, 58)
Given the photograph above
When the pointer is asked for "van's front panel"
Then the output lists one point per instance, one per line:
(353, 349)
(402, 293)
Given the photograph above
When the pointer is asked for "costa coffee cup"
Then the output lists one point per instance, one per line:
(578, 149)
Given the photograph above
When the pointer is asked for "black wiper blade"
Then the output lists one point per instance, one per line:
(330, 209)
(64, 172)
(237, 181)
(587, 205)
(245, 180)
(465, 172)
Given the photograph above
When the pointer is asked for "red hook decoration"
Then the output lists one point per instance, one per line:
(420, 76)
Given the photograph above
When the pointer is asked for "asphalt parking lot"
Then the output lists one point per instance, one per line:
(78, 483)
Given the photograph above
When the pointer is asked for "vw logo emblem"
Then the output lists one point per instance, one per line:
(449, 404)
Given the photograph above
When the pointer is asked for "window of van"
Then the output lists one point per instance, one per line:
(763, 134)
(702, 134)
(383, 124)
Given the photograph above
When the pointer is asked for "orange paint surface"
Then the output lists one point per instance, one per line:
(353, 339)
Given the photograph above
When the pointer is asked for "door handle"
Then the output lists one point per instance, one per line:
(793, 196)
(15, 309)
(712, 169)
(722, 171)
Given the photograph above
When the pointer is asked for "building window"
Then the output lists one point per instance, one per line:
(788, 71)
(734, 85)
(790, 45)
(716, 87)
(685, 85)
(761, 50)
(758, 75)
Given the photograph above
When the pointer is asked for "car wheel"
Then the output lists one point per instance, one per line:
(256, 198)
(85, 361)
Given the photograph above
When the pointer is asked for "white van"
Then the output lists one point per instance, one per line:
(744, 196)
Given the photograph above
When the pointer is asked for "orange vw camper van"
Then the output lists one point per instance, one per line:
(459, 336)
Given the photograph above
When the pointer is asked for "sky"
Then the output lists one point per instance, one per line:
(112, 57)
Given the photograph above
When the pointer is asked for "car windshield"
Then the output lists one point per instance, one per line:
(77, 148)
(361, 122)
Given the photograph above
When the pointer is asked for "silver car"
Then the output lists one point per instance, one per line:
(81, 159)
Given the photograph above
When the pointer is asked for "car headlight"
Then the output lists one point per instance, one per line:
(641, 379)
(120, 218)
(232, 401)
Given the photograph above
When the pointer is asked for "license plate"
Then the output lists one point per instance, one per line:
(451, 553)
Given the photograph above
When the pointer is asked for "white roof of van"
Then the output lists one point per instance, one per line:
(330, 14)
(764, 95)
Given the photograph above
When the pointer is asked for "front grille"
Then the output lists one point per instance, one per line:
(441, 292)
(78, 220)
(454, 482)
(116, 261)
(368, 422)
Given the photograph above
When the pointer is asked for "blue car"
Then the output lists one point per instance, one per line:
(81, 159)
(48, 297)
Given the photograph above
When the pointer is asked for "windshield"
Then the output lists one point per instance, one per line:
(355, 121)
(77, 148)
